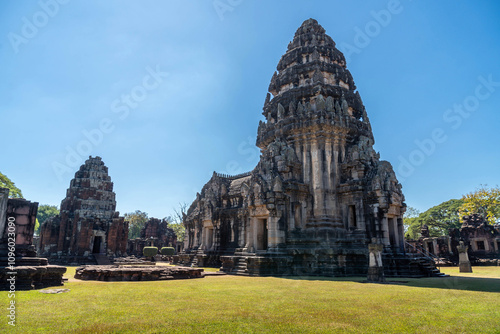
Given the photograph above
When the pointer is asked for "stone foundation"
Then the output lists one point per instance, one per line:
(136, 273)
(32, 277)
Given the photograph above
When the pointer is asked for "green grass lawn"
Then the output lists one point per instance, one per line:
(462, 303)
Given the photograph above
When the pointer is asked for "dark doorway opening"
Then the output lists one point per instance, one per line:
(97, 245)
(262, 234)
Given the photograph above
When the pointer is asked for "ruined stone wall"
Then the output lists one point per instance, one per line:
(23, 214)
(156, 233)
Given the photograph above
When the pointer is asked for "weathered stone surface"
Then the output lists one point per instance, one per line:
(318, 194)
(464, 263)
(375, 268)
(129, 260)
(55, 291)
(136, 273)
(88, 223)
(20, 269)
(32, 277)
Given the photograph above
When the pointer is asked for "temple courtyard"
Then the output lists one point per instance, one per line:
(461, 303)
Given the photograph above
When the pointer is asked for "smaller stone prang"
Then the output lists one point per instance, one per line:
(463, 258)
(376, 268)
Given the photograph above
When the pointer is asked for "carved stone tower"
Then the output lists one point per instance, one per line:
(319, 193)
(88, 224)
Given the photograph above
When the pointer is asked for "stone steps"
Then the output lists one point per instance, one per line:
(241, 267)
(102, 259)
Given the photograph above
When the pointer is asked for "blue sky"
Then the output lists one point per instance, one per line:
(166, 92)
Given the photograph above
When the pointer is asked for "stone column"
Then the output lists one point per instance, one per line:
(394, 223)
(272, 232)
(450, 251)
(375, 269)
(251, 234)
(435, 246)
(463, 258)
(401, 234)
(385, 230)
(317, 180)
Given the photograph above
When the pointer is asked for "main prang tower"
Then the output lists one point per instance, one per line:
(319, 194)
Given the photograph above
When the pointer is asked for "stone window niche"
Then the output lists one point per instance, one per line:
(352, 217)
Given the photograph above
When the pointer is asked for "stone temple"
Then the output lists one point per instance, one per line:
(88, 228)
(319, 193)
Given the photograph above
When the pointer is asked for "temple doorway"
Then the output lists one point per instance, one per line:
(261, 234)
(96, 249)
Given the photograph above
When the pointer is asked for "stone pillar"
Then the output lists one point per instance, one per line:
(385, 231)
(252, 235)
(435, 246)
(401, 234)
(395, 230)
(317, 180)
(375, 269)
(463, 258)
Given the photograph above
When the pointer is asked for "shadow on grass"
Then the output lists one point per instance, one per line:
(453, 282)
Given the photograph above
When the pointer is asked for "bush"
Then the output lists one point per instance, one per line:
(167, 251)
(150, 251)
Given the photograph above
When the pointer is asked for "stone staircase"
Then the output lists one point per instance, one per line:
(240, 267)
(102, 259)
(410, 266)
(429, 267)
(194, 262)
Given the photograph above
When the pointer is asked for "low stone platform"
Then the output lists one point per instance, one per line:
(115, 273)
(131, 260)
(31, 277)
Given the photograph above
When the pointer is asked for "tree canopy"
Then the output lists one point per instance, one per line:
(178, 221)
(5, 182)
(439, 219)
(136, 221)
(484, 201)
(45, 212)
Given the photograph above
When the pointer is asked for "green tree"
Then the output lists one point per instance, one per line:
(45, 211)
(136, 221)
(178, 222)
(179, 230)
(410, 228)
(5, 182)
(442, 217)
(37, 227)
(484, 201)
(439, 219)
